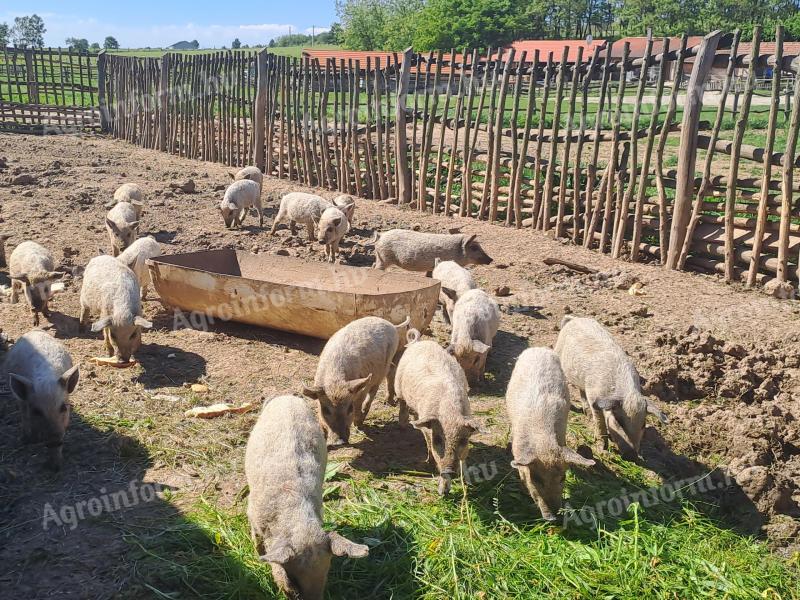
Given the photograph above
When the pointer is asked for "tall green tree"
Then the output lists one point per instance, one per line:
(5, 34)
(78, 44)
(236, 44)
(110, 43)
(28, 31)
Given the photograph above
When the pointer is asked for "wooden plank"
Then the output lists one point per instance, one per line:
(546, 208)
(687, 151)
(787, 180)
(496, 141)
(439, 153)
(427, 137)
(516, 187)
(469, 145)
(462, 78)
(382, 174)
(490, 142)
(562, 192)
(733, 172)
(260, 120)
(758, 239)
(518, 79)
(537, 168)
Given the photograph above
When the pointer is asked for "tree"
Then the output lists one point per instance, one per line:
(468, 23)
(194, 44)
(236, 44)
(28, 31)
(95, 47)
(363, 23)
(78, 44)
(110, 43)
(5, 32)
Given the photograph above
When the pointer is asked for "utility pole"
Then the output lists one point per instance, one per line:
(312, 35)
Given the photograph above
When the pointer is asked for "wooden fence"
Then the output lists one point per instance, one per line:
(48, 89)
(615, 154)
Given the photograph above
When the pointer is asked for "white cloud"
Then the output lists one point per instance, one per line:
(60, 27)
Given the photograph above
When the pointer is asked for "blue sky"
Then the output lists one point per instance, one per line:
(142, 23)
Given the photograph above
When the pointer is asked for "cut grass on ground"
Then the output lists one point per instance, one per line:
(482, 542)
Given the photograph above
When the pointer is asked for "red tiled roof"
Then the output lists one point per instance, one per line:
(768, 48)
(557, 47)
(638, 45)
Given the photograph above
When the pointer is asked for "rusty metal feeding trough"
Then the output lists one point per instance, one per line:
(289, 294)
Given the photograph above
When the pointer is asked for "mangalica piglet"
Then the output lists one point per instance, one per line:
(475, 319)
(251, 173)
(41, 377)
(347, 204)
(430, 385)
(110, 290)
(135, 258)
(352, 366)
(239, 198)
(537, 401)
(608, 382)
(122, 225)
(300, 207)
(285, 465)
(453, 277)
(417, 251)
(132, 193)
(332, 227)
(31, 267)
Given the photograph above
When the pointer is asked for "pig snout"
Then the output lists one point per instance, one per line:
(445, 481)
(337, 439)
(55, 455)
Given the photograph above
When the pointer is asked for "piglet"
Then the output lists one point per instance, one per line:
(418, 251)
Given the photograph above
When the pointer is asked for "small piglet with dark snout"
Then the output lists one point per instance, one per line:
(31, 268)
(285, 465)
(122, 225)
(597, 365)
(430, 384)
(41, 377)
(537, 401)
(418, 251)
(332, 227)
(352, 367)
(453, 277)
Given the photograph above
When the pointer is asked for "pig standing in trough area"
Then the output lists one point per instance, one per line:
(31, 268)
(300, 207)
(352, 366)
(41, 377)
(454, 277)
(417, 251)
(240, 197)
(537, 401)
(135, 256)
(122, 225)
(285, 465)
(111, 291)
(476, 318)
(430, 384)
(132, 193)
(608, 382)
(251, 173)
(333, 224)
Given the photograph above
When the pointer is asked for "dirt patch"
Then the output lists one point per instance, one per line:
(722, 359)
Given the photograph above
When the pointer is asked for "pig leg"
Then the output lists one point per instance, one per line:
(15, 287)
(601, 430)
(429, 445)
(242, 215)
(390, 399)
(363, 411)
(35, 317)
(334, 251)
(445, 301)
(107, 339)
(84, 320)
(379, 262)
(260, 210)
(276, 222)
(403, 418)
(310, 231)
(26, 433)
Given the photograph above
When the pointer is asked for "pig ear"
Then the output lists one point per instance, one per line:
(573, 458)
(468, 239)
(280, 553)
(101, 324)
(69, 380)
(614, 425)
(424, 423)
(656, 412)
(133, 225)
(479, 347)
(436, 261)
(233, 176)
(358, 385)
(341, 546)
(473, 426)
(606, 403)
(142, 322)
(451, 350)
(23, 277)
(110, 204)
(449, 293)
(337, 221)
(111, 225)
(55, 275)
(313, 392)
(137, 204)
(20, 386)
(518, 464)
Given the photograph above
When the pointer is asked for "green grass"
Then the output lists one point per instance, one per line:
(482, 542)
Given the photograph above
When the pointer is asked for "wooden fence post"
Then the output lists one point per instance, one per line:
(163, 90)
(401, 138)
(687, 151)
(260, 125)
(33, 84)
(102, 99)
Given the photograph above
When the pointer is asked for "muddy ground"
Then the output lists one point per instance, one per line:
(723, 362)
